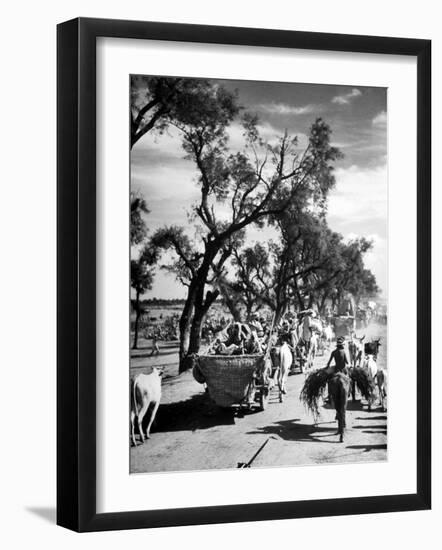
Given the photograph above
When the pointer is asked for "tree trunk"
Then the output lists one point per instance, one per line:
(195, 301)
(190, 336)
(184, 325)
(195, 332)
(279, 314)
(201, 310)
(137, 320)
(300, 300)
(231, 302)
(184, 348)
(249, 311)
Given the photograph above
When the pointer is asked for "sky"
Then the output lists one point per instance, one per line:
(358, 203)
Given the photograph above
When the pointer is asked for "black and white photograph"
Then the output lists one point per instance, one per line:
(258, 300)
(220, 249)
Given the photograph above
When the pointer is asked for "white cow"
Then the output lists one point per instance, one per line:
(145, 392)
(283, 360)
(378, 377)
(356, 350)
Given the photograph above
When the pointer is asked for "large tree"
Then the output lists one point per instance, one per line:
(307, 265)
(157, 102)
(277, 273)
(236, 190)
(142, 268)
(338, 269)
(141, 279)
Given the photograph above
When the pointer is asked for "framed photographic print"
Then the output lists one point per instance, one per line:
(243, 274)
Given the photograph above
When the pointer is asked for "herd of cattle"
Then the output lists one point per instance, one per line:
(293, 346)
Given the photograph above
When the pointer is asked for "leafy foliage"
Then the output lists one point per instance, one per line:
(308, 265)
(157, 102)
(274, 182)
(138, 229)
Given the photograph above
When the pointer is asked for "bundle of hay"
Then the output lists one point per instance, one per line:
(363, 382)
(313, 390)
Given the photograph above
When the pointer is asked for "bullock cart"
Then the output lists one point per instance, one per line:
(243, 380)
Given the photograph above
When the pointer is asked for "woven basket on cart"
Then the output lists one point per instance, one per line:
(228, 377)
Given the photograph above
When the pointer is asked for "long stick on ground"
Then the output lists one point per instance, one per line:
(249, 463)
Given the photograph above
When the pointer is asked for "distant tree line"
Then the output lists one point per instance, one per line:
(163, 302)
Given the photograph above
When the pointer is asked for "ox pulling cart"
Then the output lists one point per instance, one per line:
(244, 380)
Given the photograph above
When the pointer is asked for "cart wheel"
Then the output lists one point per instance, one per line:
(263, 399)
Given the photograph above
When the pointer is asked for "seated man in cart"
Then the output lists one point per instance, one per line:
(241, 340)
(221, 348)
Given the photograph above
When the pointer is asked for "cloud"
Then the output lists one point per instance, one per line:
(358, 208)
(167, 143)
(380, 120)
(360, 194)
(270, 134)
(346, 98)
(164, 180)
(284, 109)
(376, 260)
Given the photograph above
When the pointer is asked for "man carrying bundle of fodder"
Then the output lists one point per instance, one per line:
(337, 377)
(340, 357)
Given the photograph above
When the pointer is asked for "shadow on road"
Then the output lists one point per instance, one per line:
(354, 405)
(368, 448)
(371, 427)
(384, 417)
(291, 430)
(195, 413)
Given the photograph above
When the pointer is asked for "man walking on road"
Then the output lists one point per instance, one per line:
(155, 346)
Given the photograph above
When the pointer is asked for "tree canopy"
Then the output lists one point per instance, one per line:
(157, 102)
(277, 183)
(309, 265)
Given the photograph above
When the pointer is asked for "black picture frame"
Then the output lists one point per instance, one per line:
(76, 274)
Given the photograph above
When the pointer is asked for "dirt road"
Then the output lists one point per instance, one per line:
(191, 434)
